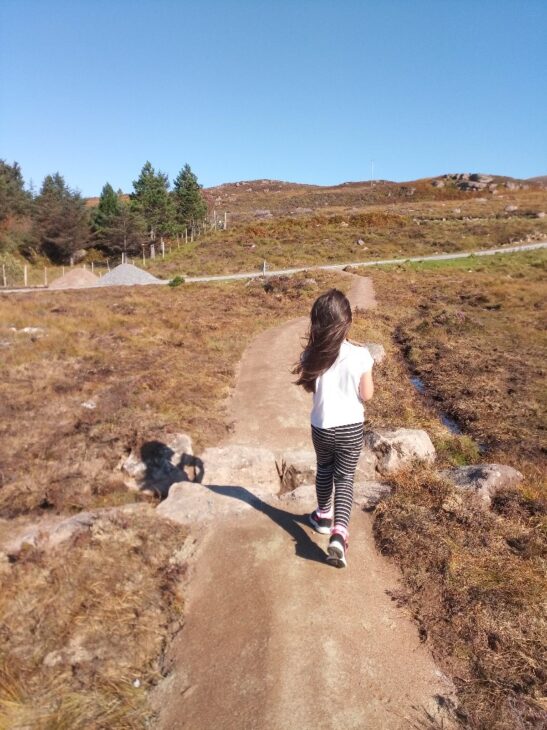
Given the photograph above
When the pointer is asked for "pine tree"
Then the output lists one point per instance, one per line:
(106, 211)
(60, 219)
(14, 200)
(190, 205)
(152, 201)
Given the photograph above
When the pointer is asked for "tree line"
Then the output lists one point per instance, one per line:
(55, 222)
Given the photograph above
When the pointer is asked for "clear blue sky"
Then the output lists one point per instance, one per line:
(299, 90)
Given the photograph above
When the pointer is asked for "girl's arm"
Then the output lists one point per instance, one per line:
(366, 386)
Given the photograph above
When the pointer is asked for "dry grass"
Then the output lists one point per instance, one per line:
(78, 625)
(475, 583)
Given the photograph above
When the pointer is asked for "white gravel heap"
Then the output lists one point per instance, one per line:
(128, 275)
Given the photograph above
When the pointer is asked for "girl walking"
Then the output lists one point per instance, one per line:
(339, 374)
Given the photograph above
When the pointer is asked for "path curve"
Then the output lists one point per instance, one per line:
(274, 638)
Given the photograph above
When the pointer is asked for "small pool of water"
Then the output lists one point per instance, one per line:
(449, 422)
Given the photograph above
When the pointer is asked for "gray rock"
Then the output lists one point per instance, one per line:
(541, 214)
(438, 184)
(241, 465)
(369, 493)
(189, 503)
(377, 351)
(158, 465)
(511, 208)
(263, 214)
(484, 480)
(393, 448)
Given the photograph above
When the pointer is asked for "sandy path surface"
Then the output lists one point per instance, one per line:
(275, 638)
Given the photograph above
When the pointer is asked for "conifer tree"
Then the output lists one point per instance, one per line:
(61, 222)
(190, 205)
(107, 209)
(14, 200)
(152, 201)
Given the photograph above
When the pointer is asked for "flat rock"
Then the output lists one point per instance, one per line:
(377, 351)
(484, 480)
(189, 503)
(242, 466)
(393, 448)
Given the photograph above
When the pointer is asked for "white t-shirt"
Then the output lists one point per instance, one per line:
(336, 401)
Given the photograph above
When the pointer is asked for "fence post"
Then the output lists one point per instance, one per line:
(225, 221)
(45, 276)
(152, 250)
(143, 258)
(4, 274)
(108, 264)
(186, 235)
(62, 270)
(92, 267)
(162, 247)
(25, 275)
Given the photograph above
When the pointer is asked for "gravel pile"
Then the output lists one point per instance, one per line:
(127, 275)
(75, 279)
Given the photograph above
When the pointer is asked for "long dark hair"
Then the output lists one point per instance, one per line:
(330, 322)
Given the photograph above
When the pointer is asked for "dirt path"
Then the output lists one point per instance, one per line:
(274, 637)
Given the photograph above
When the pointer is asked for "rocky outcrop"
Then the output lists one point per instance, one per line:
(158, 465)
(394, 448)
(484, 480)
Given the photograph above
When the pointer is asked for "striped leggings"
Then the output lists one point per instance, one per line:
(337, 450)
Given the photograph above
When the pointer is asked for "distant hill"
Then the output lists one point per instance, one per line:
(542, 179)
(266, 198)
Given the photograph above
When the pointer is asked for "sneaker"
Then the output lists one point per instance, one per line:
(320, 524)
(336, 550)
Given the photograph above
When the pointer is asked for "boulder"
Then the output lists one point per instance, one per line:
(393, 448)
(511, 208)
(158, 465)
(377, 351)
(484, 480)
(540, 214)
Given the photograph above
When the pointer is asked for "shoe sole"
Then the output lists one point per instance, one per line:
(336, 557)
(318, 528)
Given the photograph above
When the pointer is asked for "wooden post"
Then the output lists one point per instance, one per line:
(152, 251)
(92, 267)
(85, 267)
(143, 258)
(72, 260)
(108, 264)
(162, 247)
(186, 235)
(45, 276)
(192, 234)
(62, 270)
(4, 274)
(225, 221)
(25, 275)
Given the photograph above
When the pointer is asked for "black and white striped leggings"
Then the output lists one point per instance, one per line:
(337, 451)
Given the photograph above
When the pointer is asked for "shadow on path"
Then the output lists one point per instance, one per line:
(291, 522)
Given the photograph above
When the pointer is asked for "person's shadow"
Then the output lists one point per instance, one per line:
(161, 473)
